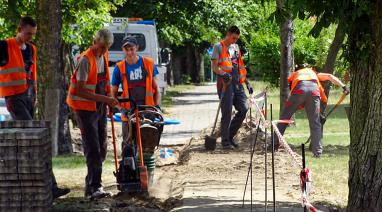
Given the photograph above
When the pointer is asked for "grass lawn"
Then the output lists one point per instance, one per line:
(330, 172)
(172, 92)
(75, 178)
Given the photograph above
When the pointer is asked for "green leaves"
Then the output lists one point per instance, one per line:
(81, 19)
(197, 22)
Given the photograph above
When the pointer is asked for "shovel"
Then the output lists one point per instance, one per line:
(114, 139)
(330, 112)
(210, 140)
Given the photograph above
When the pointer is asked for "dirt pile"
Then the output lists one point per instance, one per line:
(198, 180)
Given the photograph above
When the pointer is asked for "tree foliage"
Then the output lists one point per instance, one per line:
(81, 19)
(199, 22)
(265, 45)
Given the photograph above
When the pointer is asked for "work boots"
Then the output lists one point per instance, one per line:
(58, 192)
(229, 144)
(96, 193)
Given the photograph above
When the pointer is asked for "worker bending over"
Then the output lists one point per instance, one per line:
(307, 91)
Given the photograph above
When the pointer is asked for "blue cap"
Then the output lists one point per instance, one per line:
(129, 40)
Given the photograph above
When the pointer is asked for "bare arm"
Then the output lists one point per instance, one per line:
(216, 68)
(331, 78)
(114, 91)
(157, 95)
(81, 91)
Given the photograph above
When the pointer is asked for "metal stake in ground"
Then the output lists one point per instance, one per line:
(273, 162)
(251, 160)
(266, 150)
(303, 167)
(250, 121)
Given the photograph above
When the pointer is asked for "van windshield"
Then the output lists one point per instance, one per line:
(118, 38)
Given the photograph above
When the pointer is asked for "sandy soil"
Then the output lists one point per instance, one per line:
(199, 180)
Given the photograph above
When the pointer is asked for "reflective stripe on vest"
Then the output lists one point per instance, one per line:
(78, 103)
(13, 83)
(13, 77)
(74, 97)
(148, 64)
(87, 86)
(225, 63)
(307, 74)
(12, 70)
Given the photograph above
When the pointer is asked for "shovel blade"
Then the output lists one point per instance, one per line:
(143, 174)
(210, 143)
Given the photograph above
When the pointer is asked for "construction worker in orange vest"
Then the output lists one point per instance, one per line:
(18, 81)
(18, 68)
(228, 64)
(307, 91)
(89, 93)
(137, 75)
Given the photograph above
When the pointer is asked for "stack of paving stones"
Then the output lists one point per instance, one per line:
(25, 166)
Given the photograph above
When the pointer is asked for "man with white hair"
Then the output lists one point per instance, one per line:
(89, 93)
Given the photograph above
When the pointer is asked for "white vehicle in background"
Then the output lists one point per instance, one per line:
(145, 33)
(4, 114)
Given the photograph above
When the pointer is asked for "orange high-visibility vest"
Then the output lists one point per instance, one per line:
(225, 63)
(78, 103)
(307, 74)
(13, 77)
(148, 64)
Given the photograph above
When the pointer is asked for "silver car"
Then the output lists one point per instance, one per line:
(4, 114)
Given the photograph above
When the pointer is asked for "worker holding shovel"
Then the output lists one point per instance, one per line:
(227, 63)
(89, 93)
(307, 91)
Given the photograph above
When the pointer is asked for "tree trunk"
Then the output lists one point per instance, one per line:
(365, 172)
(176, 67)
(332, 56)
(199, 66)
(287, 57)
(190, 64)
(335, 47)
(51, 79)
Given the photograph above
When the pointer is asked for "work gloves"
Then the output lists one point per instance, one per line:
(322, 118)
(249, 87)
(158, 108)
(345, 90)
(226, 77)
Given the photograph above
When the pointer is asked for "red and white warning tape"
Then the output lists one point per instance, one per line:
(305, 180)
(296, 158)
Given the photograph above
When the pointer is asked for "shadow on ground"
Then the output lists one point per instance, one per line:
(116, 203)
(203, 204)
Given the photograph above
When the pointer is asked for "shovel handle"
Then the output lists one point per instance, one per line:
(220, 102)
(113, 136)
(337, 104)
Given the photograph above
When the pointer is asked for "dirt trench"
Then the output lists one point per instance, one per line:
(199, 180)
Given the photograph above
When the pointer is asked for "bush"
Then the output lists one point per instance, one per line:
(265, 49)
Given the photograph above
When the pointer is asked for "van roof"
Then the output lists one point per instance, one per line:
(121, 20)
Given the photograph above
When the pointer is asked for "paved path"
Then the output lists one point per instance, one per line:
(196, 109)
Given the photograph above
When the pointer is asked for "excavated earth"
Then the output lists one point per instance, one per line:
(198, 180)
